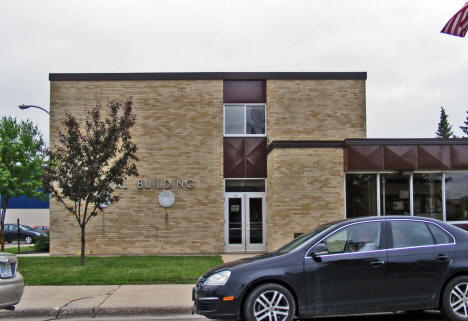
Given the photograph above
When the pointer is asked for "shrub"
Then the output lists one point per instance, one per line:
(42, 244)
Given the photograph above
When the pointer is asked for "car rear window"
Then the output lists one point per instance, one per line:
(440, 236)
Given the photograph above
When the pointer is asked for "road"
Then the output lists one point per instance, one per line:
(425, 316)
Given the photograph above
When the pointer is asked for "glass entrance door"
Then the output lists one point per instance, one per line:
(244, 222)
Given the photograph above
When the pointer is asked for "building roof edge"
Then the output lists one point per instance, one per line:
(207, 76)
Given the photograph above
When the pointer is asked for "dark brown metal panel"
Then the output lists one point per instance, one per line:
(462, 226)
(433, 157)
(245, 157)
(234, 162)
(364, 158)
(400, 157)
(244, 91)
(459, 155)
(255, 158)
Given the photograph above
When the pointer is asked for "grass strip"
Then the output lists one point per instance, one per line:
(115, 270)
(23, 250)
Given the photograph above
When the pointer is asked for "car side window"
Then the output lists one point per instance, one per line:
(355, 238)
(410, 233)
(440, 236)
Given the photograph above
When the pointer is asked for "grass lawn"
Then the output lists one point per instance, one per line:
(23, 249)
(115, 270)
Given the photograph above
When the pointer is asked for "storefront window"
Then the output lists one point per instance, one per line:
(361, 195)
(394, 194)
(456, 196)
(427, 189)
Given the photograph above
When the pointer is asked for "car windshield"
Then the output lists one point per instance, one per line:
(25, 227)
(297, 242)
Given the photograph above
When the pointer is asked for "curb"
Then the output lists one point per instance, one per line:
(95, 311)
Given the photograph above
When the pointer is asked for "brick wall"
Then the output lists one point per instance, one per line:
(316, 109)
(305, 189)
(306, 186)
(179, 135)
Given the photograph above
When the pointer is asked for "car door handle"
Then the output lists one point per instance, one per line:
(442, 258)
(377, 263)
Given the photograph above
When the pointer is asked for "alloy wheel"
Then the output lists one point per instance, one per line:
(271, 306)
(459, 299)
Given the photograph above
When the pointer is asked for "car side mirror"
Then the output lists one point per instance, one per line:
(318, 250)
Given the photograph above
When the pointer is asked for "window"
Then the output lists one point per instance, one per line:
(355, 238)
(409, 233)
(241, 185)
(440, 236)
(456, 195)
(427, 189)
(244, 120)
(394, 194)
(397, 192)
(361, 195)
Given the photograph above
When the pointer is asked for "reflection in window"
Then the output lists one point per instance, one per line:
(245, 185)
(255, 119)
(427, 189)
(407, 234)
(361, 195)
(355, 238)
(234, 119)
(394, 194)
(456, 196)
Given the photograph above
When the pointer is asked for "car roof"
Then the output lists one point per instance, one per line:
(387, 218)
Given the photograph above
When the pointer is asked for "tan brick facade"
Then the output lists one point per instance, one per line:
(179, 134)
(305, 189)
(306, 186)
(316, 109)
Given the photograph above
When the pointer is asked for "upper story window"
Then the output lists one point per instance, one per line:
(244, 120)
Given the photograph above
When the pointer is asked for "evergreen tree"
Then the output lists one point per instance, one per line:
(444, 130)
(465, 128)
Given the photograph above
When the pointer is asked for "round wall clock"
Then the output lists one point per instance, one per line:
(166, 198)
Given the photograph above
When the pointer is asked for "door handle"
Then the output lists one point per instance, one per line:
(442, 258)
(377, 263)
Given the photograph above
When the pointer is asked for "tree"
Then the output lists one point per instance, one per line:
(22, 156)
(444, 129)
(465, 128)
(90, 158)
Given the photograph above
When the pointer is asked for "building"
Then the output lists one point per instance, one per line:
(244, 162)
(30, 211)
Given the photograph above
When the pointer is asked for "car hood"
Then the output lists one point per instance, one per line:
(237, 263)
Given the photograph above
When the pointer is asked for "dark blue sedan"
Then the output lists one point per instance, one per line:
(372, 264)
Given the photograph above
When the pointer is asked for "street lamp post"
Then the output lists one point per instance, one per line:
(33, 106)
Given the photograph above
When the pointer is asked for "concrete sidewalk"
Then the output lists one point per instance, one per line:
(99, 300)
(90, 301)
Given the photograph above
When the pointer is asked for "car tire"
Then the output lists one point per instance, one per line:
(455, 299)
(28, 240)
(269, 300)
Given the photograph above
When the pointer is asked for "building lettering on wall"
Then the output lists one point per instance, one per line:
(165, 184)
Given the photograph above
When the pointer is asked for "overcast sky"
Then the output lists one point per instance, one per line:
(412, 68)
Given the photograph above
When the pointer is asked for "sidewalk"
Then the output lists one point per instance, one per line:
(100, 300)
(90, 301)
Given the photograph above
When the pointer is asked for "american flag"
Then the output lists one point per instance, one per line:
(458, 25)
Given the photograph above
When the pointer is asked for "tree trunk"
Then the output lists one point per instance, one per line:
(2, 224)
(83, 243)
